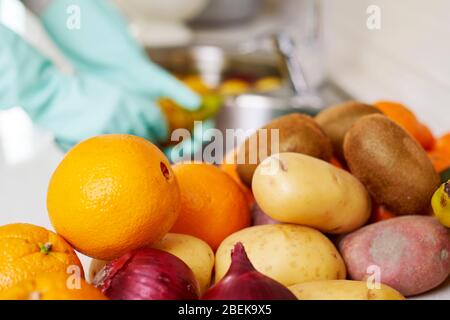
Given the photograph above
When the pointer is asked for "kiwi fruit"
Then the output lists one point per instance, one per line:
(391, 164)
(338, 119)
(297, 133)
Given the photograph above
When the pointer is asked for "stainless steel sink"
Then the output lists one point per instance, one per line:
(252, 110)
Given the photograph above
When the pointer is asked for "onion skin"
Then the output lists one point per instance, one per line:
(244, 282)
(147, 274)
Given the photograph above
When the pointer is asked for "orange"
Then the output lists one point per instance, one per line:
(229, 166)
(443, 143)
(52, 286)
(112, 194)
(426, 137)
(440, 159)
(213, 205)
(380, 213)
(27, 251)
(406, 119)
(335, 162)
(440, 154)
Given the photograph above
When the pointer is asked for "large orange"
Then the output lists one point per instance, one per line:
(27, 251)
(112, 194)
(213, 205)
(404, 117)
(52, 286)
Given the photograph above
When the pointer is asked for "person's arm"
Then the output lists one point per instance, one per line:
(71, 107)
(37, 6)
(102, 45)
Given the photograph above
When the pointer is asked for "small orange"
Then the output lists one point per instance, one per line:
(440, 159)
(213, 205)
(229, 166)
(112, 194)
(335, 162)
(440, 154)
(380, 213)
(27, 250)
(407, 120)
(443, 143)
(52, 286)
(426, 137)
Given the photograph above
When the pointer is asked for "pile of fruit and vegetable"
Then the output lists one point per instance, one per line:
(357, 206)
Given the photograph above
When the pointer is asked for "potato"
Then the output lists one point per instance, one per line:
(296, 188)
(343, 290)
(411, 253)
(391, 164)
(287, 253)
(296, 133)
(95, 266)
(196, 253)
(337, 120)
(193, 251)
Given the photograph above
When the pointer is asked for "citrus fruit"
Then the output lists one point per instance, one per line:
(440, 154)
(52, 286)
(441, 204)
(112, 194)
(407, 120)
(443, 143)
(229, 166)
(27, 250)
(213, 205)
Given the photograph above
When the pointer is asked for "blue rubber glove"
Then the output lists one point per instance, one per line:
(115, 85)
(72, 107)
(103, 46)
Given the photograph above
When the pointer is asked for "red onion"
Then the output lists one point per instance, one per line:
(147, 274)
(260, 218)
(243, 282)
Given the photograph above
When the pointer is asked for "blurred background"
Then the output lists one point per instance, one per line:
(265, 56)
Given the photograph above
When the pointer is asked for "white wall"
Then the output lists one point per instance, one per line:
(408, 59)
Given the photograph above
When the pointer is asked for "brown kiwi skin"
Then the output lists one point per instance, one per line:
(338, 119)
(392, 165)
(297, 133)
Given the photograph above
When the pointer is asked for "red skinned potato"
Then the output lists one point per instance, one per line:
(412, 253)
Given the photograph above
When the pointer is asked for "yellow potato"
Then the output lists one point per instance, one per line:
(296, 188)
(194, 252)
(343, 290)
(95, 267)
(290, 254)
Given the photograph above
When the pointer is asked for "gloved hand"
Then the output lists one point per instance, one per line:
(72, 107)
(103, 46)
(115, 85)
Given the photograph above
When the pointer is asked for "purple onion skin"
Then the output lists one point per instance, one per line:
(244, 282)
(260, 218)
(147, 274)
